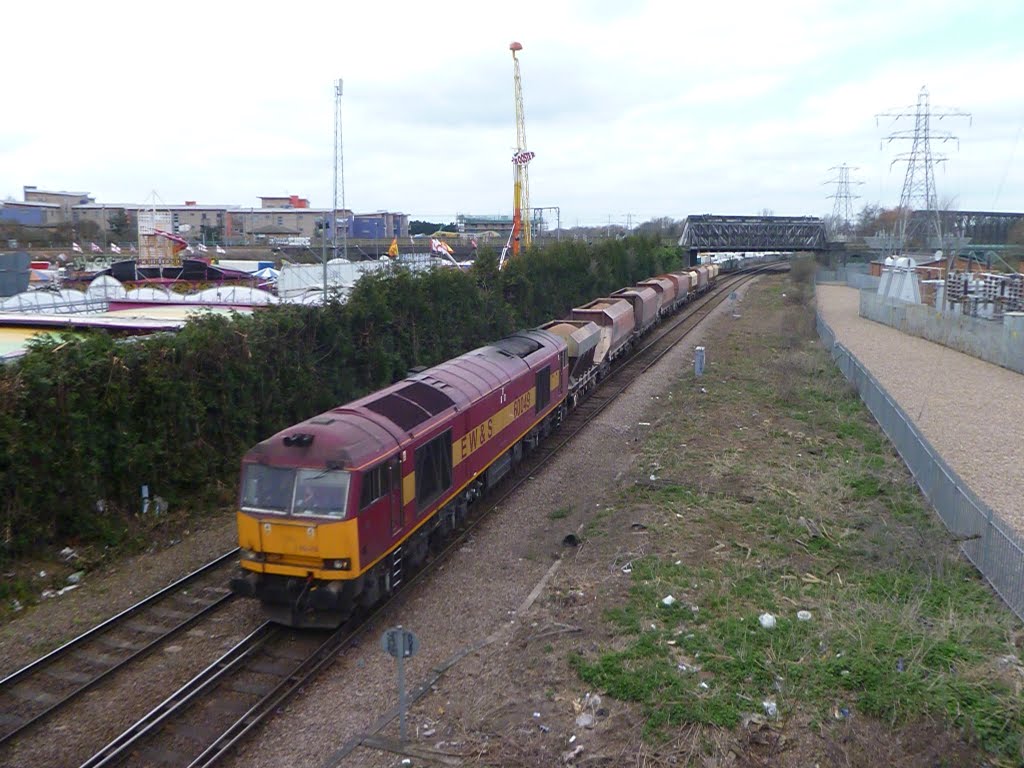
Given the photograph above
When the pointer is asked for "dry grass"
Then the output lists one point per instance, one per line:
(780, 494)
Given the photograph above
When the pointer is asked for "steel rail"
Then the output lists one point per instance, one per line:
(118, 749)
(594, 404)
(41, 665)
(305, 670)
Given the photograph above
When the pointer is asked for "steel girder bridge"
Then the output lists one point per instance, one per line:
(992, 227)
(753, 233)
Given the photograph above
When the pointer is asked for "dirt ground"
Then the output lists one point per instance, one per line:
(531, 606)
(519, 702)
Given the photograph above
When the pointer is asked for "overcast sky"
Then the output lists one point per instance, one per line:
(633, 109)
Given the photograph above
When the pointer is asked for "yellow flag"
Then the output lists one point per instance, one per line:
(393, 250)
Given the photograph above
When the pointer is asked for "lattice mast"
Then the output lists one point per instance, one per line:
(919, 183)
(339, 170)
(521, 231)
(842, 208)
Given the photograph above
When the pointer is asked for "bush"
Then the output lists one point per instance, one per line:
(85, 421)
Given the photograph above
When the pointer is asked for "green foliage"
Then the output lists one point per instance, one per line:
(211, 233)
(120, 224)
(417, 227)
(790, 514)
(85, 421)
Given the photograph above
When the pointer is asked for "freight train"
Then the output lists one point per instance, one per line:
(336, 511)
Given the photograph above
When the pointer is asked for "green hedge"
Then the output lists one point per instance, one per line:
(84, 422)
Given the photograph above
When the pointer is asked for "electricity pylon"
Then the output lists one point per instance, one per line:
(919, 183)
(842, 209)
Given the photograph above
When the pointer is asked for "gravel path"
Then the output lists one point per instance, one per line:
(970, 410)
(473, 595)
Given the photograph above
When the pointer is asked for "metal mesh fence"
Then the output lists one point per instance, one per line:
(986, 540)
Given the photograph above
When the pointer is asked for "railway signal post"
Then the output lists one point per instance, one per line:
(400, 643)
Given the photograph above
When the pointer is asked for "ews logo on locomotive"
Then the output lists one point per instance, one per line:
(486, 430)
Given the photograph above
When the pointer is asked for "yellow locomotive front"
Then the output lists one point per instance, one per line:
(299, 545)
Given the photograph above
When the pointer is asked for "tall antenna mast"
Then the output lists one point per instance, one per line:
(339, 169)
(919, 183)
(842, 209)
(521, 233)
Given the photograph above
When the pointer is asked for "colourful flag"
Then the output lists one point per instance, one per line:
(473, 241)
(95, 248)
(441, 247)
(220, 250)
(76, 248)
(201, 248)
(179, 242)
(393, 250)
(114, 248)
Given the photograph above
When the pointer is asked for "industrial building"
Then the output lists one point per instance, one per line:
(276, 216)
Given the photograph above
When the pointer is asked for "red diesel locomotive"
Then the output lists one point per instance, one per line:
(334, 510)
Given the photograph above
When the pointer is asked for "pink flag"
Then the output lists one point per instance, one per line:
(95, 248)
(114, 248)
(220, 250)
(173, 238)
(76, 248)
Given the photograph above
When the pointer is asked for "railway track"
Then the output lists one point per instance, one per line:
(198, 724)
(660, 343)
(201, 721)
(38, 690)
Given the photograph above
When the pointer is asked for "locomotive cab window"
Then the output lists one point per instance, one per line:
(267, 489)
(321, 493)
(543, 388)
(376, 483)
(433, 469)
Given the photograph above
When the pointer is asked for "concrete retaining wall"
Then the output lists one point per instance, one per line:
(999, 343)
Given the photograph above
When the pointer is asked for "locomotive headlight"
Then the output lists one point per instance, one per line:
(341, 564)
(256, 557)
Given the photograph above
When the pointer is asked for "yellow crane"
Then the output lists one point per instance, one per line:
(521, 234)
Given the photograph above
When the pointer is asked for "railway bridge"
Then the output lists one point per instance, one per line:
(752, 233)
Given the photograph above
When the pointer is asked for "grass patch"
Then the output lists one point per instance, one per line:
(788, 502)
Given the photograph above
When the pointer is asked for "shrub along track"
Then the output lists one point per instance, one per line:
(202, 721)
